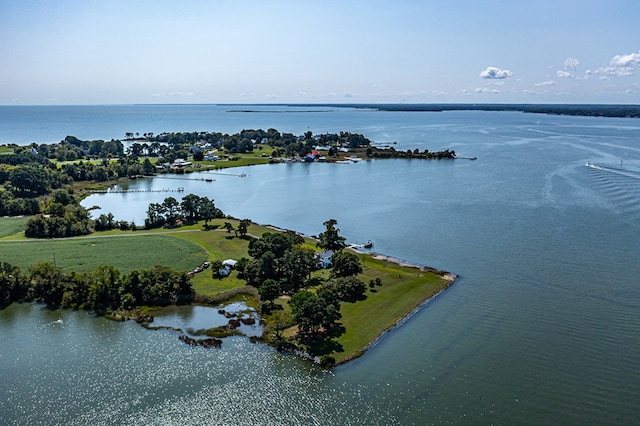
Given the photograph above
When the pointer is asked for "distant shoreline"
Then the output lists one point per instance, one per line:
(583, 110)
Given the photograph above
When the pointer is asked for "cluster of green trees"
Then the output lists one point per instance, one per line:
(28, 172)
(279, 257)
(416, 153)
(279, 264)
(192, 209)
(108, 170)
(287, 144)
(72, 148)
(101, 290)
(22, 183)
(61, 216)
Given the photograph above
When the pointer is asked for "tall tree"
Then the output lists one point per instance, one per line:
(243, 227)
(345, 264)
(229, 227)
(208, 210)
(190, 207)
(269, 291)
(171, 205)
(331, 239)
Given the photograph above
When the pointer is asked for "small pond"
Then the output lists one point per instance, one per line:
(190, 319)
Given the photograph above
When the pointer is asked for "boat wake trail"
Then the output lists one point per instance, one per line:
(619, 171)
(621, 186)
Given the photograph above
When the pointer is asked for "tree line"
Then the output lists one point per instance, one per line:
(61, 215)
(28, 172)
(192, 209)
(100, 290)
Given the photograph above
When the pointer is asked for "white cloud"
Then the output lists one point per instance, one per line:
(629, 60)
(493, 72)
(545, 83)
(571, 63)
(485, 90)
(175, 94)
(619, 65)
(565, 74)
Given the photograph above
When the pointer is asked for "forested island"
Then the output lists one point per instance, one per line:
(309, 290)
(587, 110)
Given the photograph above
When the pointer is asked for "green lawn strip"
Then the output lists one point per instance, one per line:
(125, 253)
(220, 245)
(403, 289)
(10, 226)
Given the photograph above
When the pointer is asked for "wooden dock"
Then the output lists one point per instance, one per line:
(125, 191)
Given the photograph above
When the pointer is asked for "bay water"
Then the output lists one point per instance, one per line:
(542, 327)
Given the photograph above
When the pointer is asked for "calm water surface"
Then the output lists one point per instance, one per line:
(541, 328)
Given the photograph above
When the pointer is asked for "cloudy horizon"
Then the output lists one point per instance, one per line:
(116, 52)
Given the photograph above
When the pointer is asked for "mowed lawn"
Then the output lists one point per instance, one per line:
(403, 289)
(125, 252)
(12, 225)
(221, 245)
(181, 248)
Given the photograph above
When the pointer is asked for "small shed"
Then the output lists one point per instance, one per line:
(230, 263)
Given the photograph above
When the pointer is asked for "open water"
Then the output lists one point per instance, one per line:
(540, 328)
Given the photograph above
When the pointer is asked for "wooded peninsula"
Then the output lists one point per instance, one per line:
(317, 295)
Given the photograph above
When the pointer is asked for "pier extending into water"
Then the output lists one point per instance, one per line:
(123, 191)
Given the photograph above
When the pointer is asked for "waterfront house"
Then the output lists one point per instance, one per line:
(180, 163)
(323, 260)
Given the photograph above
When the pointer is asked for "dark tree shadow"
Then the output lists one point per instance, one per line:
(267, 309)
(356, 298)
(321, 346)
(324, 343)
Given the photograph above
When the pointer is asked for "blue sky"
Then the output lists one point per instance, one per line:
(160, 51)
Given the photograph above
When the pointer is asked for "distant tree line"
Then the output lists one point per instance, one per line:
(62, 216)
(416, 153)
(100, 290)
(622, 111)
(192, 209)
(286, 144)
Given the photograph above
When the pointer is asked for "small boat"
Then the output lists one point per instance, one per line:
(368, 244)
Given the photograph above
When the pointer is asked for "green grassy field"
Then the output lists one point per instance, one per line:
(403, 288)
(12, 225)
(125, 253)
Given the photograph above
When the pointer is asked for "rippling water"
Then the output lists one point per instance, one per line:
(541, 328)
